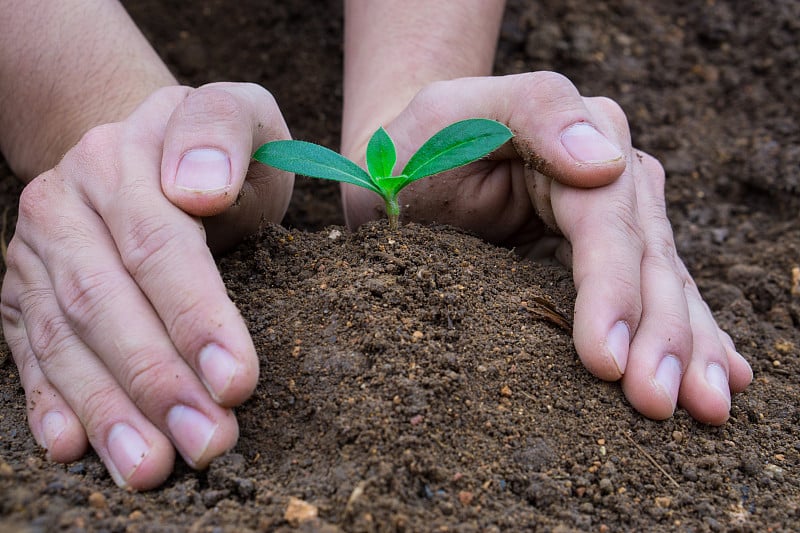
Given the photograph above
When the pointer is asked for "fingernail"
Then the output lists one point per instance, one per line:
(192, 431)
(53, 425)
(618, 342)
(203, 170)
(587, 145)
(718, 378)
(668, 376)
(218, 367)
(127, 449)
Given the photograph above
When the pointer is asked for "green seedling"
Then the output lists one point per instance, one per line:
(456, 145)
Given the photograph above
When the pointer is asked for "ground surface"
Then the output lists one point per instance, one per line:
(412, 382)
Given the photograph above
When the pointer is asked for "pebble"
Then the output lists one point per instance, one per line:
(97, 501)
(677, 436)
(299, 511)
(663, 502)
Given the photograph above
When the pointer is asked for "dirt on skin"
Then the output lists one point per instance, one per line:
(422, 380)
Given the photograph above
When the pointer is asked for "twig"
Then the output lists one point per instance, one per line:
(545, 310)
(653, 461)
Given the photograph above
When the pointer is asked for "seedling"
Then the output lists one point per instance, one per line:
(456, 145)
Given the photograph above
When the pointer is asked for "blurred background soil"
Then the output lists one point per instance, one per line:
(412, 382)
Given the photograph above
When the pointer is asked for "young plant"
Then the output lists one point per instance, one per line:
(456, 145)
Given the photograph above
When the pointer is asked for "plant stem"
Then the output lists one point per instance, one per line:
(392, 211)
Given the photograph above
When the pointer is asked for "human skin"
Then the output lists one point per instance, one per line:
(571, 170)
(112, 305)
(109, 227)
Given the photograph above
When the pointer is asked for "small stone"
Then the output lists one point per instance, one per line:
(606, 486)
(5, 469)
(299, 511)
(135, 515)
(97, 501)
(663, 502)
(77, 468)
(334, 234)
(784, 346)
(505, 391)
(465, 497)
(677, 436)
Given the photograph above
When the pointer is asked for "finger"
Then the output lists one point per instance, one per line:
(116, 321)
(607, 247)
(662, 347)
(52, 421)
(135, 453)
(705, 389)
(555, 132)
(164, 251)
(741, 374)
(208, 144)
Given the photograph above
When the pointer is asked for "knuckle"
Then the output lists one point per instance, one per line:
(428, 100)
(548, 87)
(259, 93)
(211, 102)
(92, 161)
(11, 314)
(676, 328)
(188, 317)
(146, 375)
(82, 295)
(632, 232)
(13, 259)
(49, 338)
(147, 241)
(100, 405)
(661, 248)
(34, 198)
(611, 109)
(97, 143)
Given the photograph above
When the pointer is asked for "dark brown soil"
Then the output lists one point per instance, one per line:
(419, 381)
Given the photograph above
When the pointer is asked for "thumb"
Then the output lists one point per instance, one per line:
(208, 143)
(558, 134)
(555, 132)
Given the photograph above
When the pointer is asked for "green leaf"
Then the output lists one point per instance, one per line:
(381, 154)
(313, 160)
(456, 145)
(391, 185)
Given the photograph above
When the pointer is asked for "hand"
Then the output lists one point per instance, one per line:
(573, 172)
(112, 305)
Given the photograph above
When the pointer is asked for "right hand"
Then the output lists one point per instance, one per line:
(597, 202)
(112, 304)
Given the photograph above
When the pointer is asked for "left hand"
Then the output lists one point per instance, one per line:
(573, 173)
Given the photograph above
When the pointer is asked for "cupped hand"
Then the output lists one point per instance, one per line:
(112, 305)
(572, 184)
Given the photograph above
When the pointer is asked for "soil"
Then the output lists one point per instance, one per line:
(424, 380)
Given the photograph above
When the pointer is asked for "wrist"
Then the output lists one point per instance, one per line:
(65, 69)
(395, 49)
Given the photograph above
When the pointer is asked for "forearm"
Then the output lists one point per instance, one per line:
(394, 48)
(64, 68)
